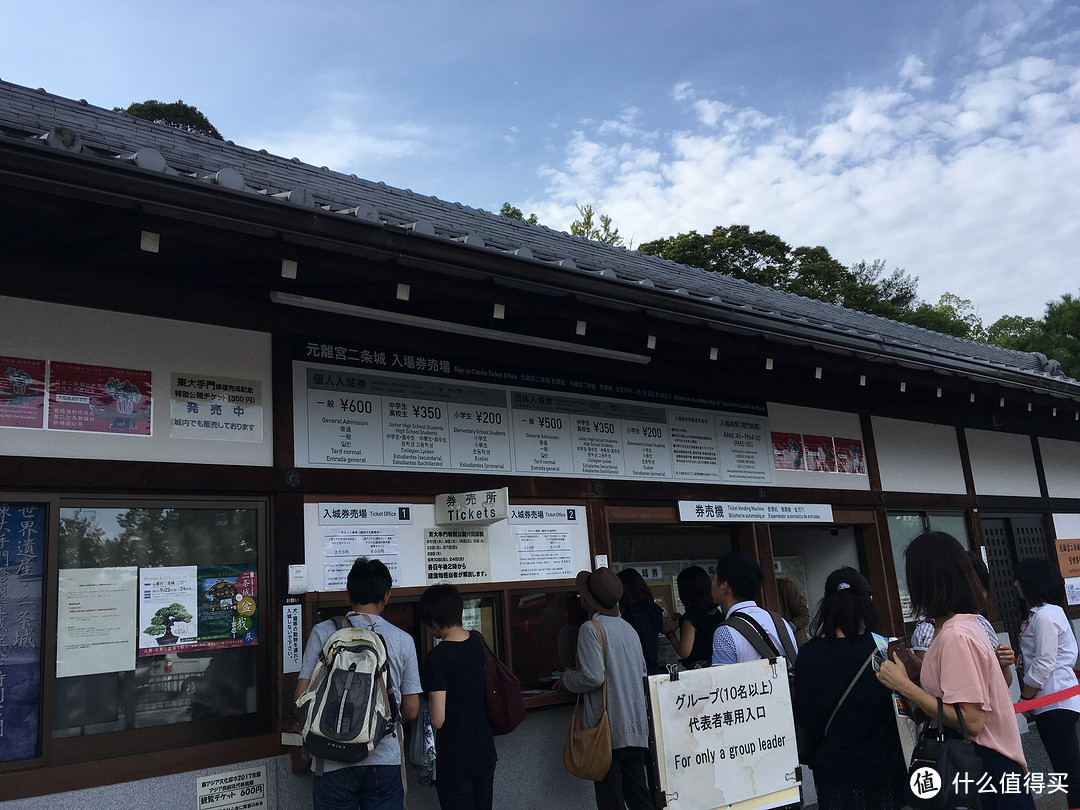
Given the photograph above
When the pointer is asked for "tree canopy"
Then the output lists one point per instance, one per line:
(595, 226)
(513, 212)
(176, 114)
(1057, 335)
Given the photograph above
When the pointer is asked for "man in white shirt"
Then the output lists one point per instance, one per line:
(735, 585)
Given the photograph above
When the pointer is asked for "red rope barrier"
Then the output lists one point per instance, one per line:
(1046, 700)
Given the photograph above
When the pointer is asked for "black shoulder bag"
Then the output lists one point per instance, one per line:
(941, 765)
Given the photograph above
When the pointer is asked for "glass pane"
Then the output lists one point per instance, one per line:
(954, 524)
(543, 635)
(902, 530)
(156, 619)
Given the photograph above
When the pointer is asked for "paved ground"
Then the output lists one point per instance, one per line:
(1038, 762)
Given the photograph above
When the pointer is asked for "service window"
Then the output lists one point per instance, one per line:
(158, 618)
(543, 635)
(903, 528)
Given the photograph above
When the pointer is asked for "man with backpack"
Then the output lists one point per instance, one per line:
(736, 584)
(376, 781)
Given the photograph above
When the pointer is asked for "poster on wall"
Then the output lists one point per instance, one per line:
(787, 451)
(849, 456)
(95, 621)
(1068, 555)
(457, 555)
(168, 608)
(22, 537)
(544, 552)
(22, 393)
(820, 455)
(204, 607)
(342, 546)
(215, 408)
(99, 399)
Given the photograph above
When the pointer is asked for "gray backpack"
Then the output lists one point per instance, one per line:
(349, 705)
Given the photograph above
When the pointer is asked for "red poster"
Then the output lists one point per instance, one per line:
(849, 456)
(787, 451)
(99, 399)
(820, 455)
(22, 393)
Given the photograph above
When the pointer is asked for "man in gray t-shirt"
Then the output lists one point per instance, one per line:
(374, 783)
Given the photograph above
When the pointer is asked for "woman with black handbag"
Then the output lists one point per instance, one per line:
(847, 716)
(961, 671)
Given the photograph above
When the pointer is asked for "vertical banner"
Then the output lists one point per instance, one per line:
(22, 535)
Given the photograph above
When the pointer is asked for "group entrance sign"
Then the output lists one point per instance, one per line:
(725, 737)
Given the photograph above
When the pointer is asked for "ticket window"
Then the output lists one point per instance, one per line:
(659, 552)
(806, 555)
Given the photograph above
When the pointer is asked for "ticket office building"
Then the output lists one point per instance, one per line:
(228, 374)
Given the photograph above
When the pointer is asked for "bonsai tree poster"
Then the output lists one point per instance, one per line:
(168, 608)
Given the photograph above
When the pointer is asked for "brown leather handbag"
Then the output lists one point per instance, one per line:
(587, 751)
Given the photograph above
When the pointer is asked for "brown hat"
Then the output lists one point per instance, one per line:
(600, 589)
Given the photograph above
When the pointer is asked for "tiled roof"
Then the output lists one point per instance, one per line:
(79, 127)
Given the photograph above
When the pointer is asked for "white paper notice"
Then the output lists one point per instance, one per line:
(457, 555)
(544, 552)
(168, 607)
(342, 546)
(727, 733)
(95, 627)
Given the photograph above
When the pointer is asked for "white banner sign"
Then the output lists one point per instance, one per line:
(725, 735)
(457, 555)
(739, 512)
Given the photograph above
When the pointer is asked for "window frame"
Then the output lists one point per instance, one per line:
(154, 739)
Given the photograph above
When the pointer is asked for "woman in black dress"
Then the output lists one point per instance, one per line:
(693, 644)
(453, 677)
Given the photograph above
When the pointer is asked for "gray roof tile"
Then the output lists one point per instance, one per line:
(26, 113)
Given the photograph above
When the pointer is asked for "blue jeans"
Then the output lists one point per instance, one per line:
(361, 787)
(467, 794)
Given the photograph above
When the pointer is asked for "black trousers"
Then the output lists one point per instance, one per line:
(625, 786)
(1057, 729)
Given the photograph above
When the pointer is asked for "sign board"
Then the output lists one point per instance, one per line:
(235, 790)
(476, 508)
(725, 737)
(747, 512)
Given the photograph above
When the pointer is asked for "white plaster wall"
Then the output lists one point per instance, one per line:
(816, 422)
(1061, 465)
(918, 457)
(1002, 463)
(43, 331)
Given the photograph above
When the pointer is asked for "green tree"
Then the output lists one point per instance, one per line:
(952, 315)
(176, 114)
(595, 226)
(513, 212)
(1057, 335)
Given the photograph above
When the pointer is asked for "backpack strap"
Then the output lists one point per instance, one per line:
(753, 632)
(785, 637)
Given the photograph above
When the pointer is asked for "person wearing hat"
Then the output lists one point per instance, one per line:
(618, 661)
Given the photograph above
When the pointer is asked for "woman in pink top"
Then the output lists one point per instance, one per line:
(962, 669)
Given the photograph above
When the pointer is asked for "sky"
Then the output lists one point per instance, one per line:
(940, 136)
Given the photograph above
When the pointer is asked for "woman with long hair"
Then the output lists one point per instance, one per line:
(1048, 653)
(856, 756)
(693, 644)
(645, 616)
(960, 667)
(453, 677)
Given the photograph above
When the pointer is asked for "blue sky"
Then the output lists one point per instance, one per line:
(943, 137)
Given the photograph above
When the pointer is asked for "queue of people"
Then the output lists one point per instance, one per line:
(844, 688)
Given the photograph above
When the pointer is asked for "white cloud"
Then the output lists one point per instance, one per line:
(969, 189)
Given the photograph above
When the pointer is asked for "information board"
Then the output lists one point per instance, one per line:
(725, 737)
(386, 421)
